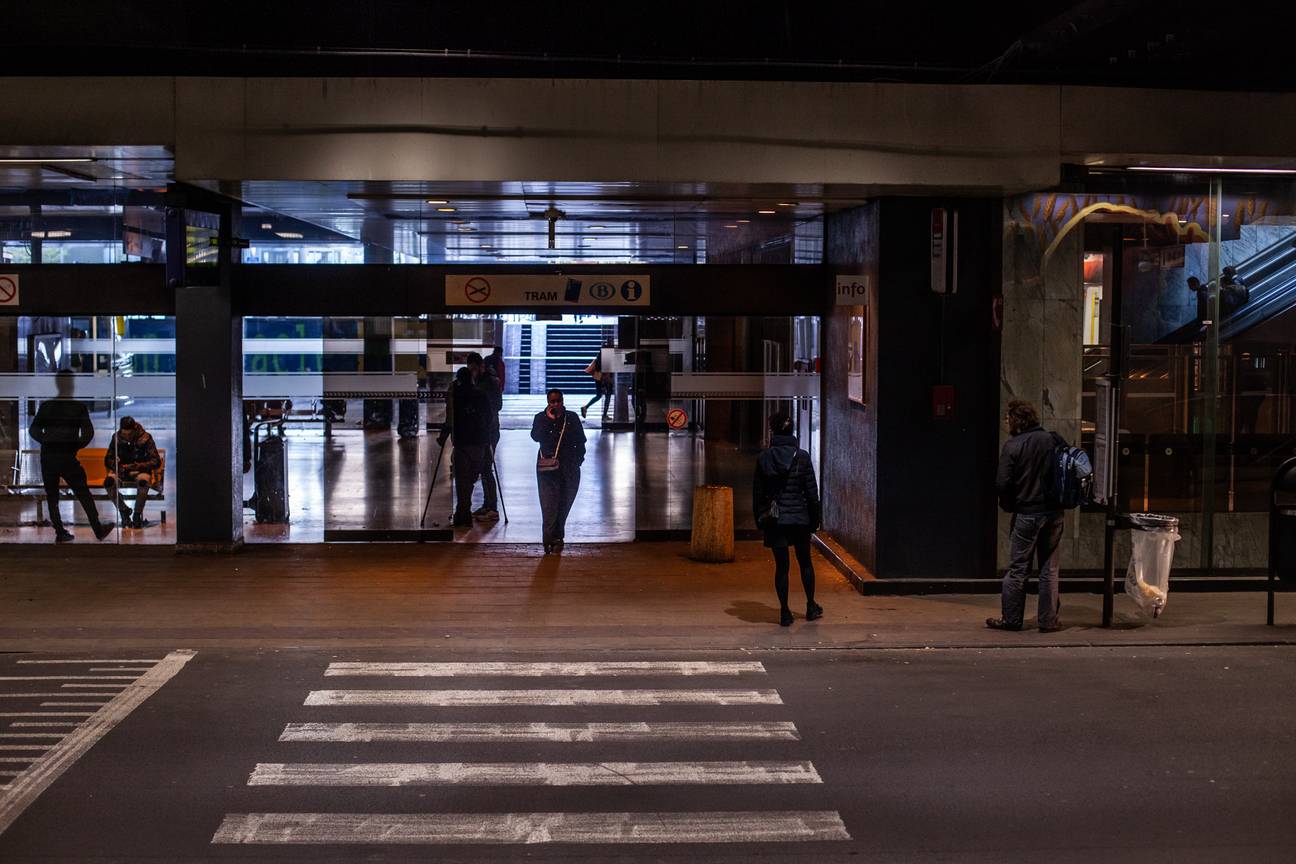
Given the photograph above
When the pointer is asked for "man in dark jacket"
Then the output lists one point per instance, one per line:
(492, 387)
(1025, 485)
(62, 427)
(470, 422)
(785, 476)
(132, 460)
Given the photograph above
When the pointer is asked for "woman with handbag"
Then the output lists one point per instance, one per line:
(562, 450)
(785, 499)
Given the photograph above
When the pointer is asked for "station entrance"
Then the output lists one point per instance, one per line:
(678, 401)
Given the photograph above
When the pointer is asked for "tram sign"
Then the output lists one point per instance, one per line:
(676, 418)
(547, 289)
(8, 289)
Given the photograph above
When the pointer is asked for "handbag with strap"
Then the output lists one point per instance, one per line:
(550, 463)
(768, 520)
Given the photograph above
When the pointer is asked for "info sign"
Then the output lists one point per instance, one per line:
(542, 289)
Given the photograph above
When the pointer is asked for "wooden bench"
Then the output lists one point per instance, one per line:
(23, 477)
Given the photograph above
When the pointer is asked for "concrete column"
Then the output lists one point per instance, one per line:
(209, 396)
(8, 363)
(376, 235)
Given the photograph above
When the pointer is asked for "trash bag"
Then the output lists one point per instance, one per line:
(1153, 540)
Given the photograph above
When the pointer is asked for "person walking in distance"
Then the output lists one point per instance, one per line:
(492, 387)
(603, 386)
(62, 427)
(562, 450)
(785, 499)
(1025, 486)
(132, 459)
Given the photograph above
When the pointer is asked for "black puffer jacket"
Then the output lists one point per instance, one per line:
(799, 501)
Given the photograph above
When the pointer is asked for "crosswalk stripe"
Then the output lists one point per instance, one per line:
(4, 747)
(93, 687)
(539, 670)
(47, 662)
(533, 774)
(61, 725)
(47, 714)
(67, 677)
(772, 826)
(71, 704)
(453, 698)
(759, 730)
(47, 695)
(31, 735)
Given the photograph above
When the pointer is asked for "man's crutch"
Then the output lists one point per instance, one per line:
(432, 486)
(499, 488)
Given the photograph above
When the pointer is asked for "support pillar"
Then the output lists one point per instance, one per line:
(209, 396)
(376, 235)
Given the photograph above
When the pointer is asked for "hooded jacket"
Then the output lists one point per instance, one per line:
(799, 499)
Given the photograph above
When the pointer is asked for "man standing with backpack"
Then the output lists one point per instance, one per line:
(1027, 484)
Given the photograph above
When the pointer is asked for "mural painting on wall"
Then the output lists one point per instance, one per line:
(1167, 265)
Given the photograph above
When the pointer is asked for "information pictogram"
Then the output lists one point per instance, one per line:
(676, 418)
(477, 290)
(631, 290)
(8, 290)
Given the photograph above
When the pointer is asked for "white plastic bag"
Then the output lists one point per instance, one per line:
(1148, 579)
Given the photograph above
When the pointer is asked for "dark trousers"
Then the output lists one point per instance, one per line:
(63, 464)
(470, 463)
(490, 487)
(1036, 546)
(557, 494)
(602, 390)
(141, 485)
(800, 543)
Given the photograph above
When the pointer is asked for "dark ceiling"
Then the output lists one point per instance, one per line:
(1192, 45)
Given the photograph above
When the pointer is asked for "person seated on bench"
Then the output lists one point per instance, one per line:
(132, 459)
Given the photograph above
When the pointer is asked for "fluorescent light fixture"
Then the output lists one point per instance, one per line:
(445, 209)
(1185, 170)
(55, 235)
(54, 160)
(289, 235)
(437, 201)
(731, 226)
(742, 221)
(485, 246)
(267, 226)
(596, 227)
(766, 212)
(784, 204)
(681, 247)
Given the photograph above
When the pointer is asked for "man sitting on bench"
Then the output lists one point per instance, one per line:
(132, 459)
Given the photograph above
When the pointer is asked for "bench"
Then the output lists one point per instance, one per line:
(23, 477)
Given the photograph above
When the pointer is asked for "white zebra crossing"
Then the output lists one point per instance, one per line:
(532, 774)
(571, 733)
(649, 827)
(531, 828)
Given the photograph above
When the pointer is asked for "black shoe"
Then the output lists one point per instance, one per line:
(584, 411)
(142, 523)
(1055, 628)
(1000, 624)
(63, 536)
(104, 530)
(813, 611)
(484, 515)
(461, 522)
(548, 548)
(785, 618)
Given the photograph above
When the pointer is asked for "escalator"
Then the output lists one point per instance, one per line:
(1270, 276)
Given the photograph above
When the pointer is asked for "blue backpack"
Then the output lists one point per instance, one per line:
(1073, 475)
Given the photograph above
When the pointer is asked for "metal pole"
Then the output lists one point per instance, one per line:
(1116, 375)
(499, 487)
(432, 485)
(1210, 379)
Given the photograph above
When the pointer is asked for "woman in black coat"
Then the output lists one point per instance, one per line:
(559, 433)
(785, 499)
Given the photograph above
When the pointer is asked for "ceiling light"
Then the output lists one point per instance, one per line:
(445, 209)
(435, 201)
(784, 204)
(466, 228)
(56, 160)
(288, 235)
(765, 212)
(742, 221)
(596, 227)
(485, 246)
(731, 226)
(266, 226)
(681, 247)
(1183, 170)
(53, 235)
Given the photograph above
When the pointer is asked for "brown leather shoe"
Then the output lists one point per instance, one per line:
(1000, 624)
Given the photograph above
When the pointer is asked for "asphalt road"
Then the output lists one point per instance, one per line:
(1065, 755)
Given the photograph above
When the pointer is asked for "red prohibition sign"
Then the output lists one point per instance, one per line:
(676, 418)
(8, 289)
(477, 290)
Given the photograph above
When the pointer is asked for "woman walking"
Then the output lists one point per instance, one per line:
(562, 450)
(785, 499)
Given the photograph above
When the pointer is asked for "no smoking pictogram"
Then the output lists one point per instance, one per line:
(477, 290)
(676, 418)
(8, 290)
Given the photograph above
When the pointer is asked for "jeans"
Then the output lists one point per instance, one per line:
(140, 483)
(63, 463)
(1036, 540)
(557, 494)
(470, 461)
